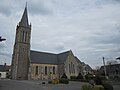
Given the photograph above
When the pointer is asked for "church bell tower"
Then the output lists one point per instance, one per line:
(21, 51)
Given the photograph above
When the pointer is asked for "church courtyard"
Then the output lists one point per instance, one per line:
(37, 85)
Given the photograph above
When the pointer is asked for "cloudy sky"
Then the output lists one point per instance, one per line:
(90, 28)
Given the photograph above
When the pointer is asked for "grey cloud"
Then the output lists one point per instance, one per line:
(5, 54)
(60, 48)
(5, 11)
(38, 7)
(105, 39)
(2, 45)
(6, 7)
(3, 50)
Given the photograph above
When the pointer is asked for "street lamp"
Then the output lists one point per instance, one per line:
(2, 39)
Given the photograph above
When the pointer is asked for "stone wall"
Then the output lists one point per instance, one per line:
(40, 73)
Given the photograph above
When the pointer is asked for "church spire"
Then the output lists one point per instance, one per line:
(24, 20)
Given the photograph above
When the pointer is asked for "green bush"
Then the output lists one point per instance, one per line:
(98, 80)
(98, 87)
(79, 76)
(64, 76)
(64, 81)
(87, 87)
(91, 87)
(107, 86)
(50, 82)
(89, 77)
(54, 81)
(72, 77)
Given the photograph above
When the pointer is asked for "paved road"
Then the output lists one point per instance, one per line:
(36, 85)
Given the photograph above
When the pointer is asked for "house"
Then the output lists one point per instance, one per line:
(4, 71)
(112, 70)
(52, 66)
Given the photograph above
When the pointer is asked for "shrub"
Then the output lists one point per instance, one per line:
(79, 76)
(98, 87)
(87, 87)
(50, 82)
(90, 87)
(55, 81)
(72, 77)
(64, 76)
(89, 77)
(107, 86)
(98, 80)
(64, 81)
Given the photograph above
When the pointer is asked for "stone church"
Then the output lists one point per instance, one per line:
(29, 64)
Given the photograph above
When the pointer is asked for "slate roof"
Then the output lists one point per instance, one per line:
(111, 68)
(88, 67)
(78, 60)
(1, 68)
(62, 57)
(48, 58)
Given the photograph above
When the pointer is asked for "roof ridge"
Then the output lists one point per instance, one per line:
(51, 53)
(64, 52)
(43, 52)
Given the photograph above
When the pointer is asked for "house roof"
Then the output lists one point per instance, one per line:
(4, 68)
(88, 67)
(48, 58)
(110, 67)
(1, 68)
(78, 60)
(43, 57)
(62, 57)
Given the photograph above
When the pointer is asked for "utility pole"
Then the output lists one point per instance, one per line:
(105, 68)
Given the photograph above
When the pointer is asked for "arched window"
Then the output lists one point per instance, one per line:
(36, 70)
(53, 70)
(69, 69)
(73, 68)
(45, 70)
(23, 36)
